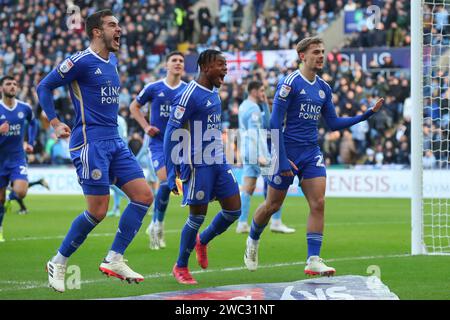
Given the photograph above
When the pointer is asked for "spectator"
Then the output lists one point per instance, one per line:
(359, 133)
(394, 36)
(350, 6)
(347, 149)
(429, 160)
(40, 40)
(403, 154)
(204, 18)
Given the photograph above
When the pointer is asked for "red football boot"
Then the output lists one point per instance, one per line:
(182, 275)
(201, 253)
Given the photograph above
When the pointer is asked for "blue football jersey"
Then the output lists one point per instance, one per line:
(17, 116)
(199, 110)
(305, 103)
(302, 103)
(94, 86)
(160, 94)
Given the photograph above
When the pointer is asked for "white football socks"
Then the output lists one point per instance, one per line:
(59, 259)
(113, 256)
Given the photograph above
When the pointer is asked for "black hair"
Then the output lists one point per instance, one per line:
(4, 78)
(95, 21)
(252, 85)
(207, 57)
(174, 53)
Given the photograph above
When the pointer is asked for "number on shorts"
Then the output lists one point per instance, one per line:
(23, 170)
(319, 161)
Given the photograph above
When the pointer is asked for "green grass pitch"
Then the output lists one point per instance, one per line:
(359, 233)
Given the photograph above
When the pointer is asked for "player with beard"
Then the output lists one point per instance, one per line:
(14, 114)
(100, 156)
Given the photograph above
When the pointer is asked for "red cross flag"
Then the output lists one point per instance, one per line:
(240, 63)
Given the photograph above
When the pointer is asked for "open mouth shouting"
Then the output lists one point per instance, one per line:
(221, 78)
(116, 41)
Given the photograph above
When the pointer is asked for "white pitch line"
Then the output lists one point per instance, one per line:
(26, 285)
(58, 237)
(179, 230)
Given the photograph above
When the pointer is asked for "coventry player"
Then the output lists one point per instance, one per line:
(144, 157)
(202, 166)
(117, 193)
(13, 165)
(100, 156)
(254, 116)
(301, 99)
(160, 94)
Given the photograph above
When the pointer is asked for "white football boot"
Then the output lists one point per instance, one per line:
(279, 227)
(153, 236)
(242, 227)
(120, 270)
(160, 235)
(56, 273)
(251, 254)
(316, 267)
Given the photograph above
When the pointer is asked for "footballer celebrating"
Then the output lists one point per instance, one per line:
(100, 156)
(301, 99)
(201, 163)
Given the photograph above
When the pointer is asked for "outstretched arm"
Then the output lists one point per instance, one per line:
(336, 123)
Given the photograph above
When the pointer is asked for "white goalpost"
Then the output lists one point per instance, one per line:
(430, 198)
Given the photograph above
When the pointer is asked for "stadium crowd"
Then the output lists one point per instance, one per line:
(35, 37)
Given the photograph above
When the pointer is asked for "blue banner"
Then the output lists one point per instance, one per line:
(353, 21)
(401, 57)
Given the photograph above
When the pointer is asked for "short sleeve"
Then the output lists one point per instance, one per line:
(145, 95)
(183, 106)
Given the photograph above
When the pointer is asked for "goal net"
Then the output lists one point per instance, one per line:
(430, 89)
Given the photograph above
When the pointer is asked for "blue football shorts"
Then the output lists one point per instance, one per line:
(13, 167)
(310, 164)
(251, 170)
(102, 163)
(208, 183)
(158, 159)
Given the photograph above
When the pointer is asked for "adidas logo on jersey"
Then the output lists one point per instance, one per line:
(161, 94)
(303, 91)
(98, 71)
(208, 103)
(2, 117)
